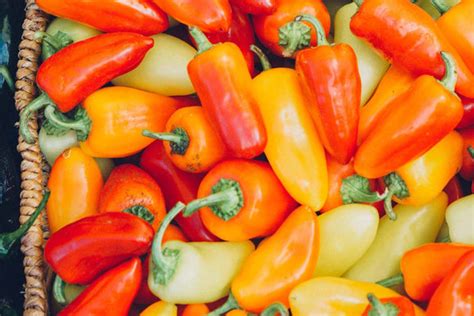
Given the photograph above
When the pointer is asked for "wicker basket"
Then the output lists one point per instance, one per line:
(33, 168)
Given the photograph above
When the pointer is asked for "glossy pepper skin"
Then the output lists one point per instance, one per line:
(454, 295)
(255, 7)
(176, 185)
(190, 140)
(234, 199)
(196, 310)
(129, 186)
(83, 250)
(161, 308)
(414, 122)
(75, 183)
(336, 173)
(401, 305)
(269, 26)
(208, 15)
(111, 294)
(330, 77)
(459, 217)
(468, 117)
(282, 261)
(467, 170)
(222, 81)
(410, 38)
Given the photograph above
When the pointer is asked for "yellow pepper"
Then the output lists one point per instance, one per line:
(460, 219)
(161, 308)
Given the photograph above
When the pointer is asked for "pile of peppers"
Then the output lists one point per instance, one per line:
(189, 177)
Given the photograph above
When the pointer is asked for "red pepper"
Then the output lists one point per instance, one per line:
(409, 37)
(400, 306)
(467, 169)
(454, 190)
(454, 296)
(111, 294)
(255, 6)
(176, 185)
(336, 173)
(75, 72)
(468, 117)
(208, 15)
(223, 83)
(139, 16)
(81, 251)
(330, 76)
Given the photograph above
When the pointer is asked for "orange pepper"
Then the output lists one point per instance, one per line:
(195, 310)
(75, 183)
(280, 262)
(129, 187)
(161, 309)
(190, 141)
(237, 312)
(398, 305)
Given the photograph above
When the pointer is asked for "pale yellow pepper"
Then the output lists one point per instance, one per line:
(460, 219)
(161, 308)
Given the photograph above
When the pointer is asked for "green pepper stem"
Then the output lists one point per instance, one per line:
(37, 104)
(387, 204)
(294, 36)
(178, 138)
(5, 73)
(229, 305)
(356, 189)
(451, 73)
(441, 6)
(81, 123)
(470, 150)
(58, 290)
(8, 239)
(262, 57)
(225, 202)
(142, 212)
(202, 42)
(391, 281)
(322, 40)
(48, 38)
(275, 309)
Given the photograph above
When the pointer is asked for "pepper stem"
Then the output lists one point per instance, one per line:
(49, 39)
(229, 305)
(178, 138)
(5, 73)
(202, 42)
(391, 281)
(451, 73)
(356, 189)
(396, 186)
(294, 36)
(381, 309)
(470, 150)
(275, 309)
(322, 40)
(142, 212)
(262, 57)
(8, 239)
(441, 6)
(225, 202)
(58, 290)
(37, 104)
(81, 123)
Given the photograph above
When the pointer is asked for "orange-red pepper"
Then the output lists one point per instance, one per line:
(195, 310)
(467, 170)
(468, 117)
(336, 173)
(255, 6)
(454, 190)
(400, 306)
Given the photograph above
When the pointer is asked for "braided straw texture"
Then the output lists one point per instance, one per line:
(33, 168)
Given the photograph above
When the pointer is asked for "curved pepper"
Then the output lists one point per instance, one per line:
(222, 82)
(161, 308)
(81, 251)
(330, 78)
(460, 216)
(454, 295)
(176, 185)
(293, 149)
(400, 306)
(284, 38)
(75, 183)
(72, 74)
(410, 38)
(414, 122)
(138, 16)
(467, 169)
(111, 294)
(282, 261)
(100, 127)
(190, 140)
(208, 15)
(185, 273)
(256, 7)
(468, 117)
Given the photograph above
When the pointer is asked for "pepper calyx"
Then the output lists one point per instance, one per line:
(58, 290)
(142, 212)
(294, 36)
(381, 309)
(34, 106)
(356, 189)
(275, 309)
(81, 123)
(229, 305)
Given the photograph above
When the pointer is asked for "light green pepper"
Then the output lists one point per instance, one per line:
(427, 5)
(460, 219)
(194, 272)
(372, 66)
(415, 226)
(346, 233)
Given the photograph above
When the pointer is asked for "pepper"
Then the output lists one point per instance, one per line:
(460, 216)
(294, 149)
(272, 310)
(255, 7)
(100, 127)
(282, 261)
(208, 15)
(283, 39)
(336, 173)
(140, 16)
(400, 306)
(372, 66)
(331, 81)
(346, 233)
(415, 225)
(195, 310)
(454, 294)
(190, 140)
(414, 122)
(161, 308)
(111, 294)
(176, 185)
(131, 189)
(228, 101)
(233, 200)
(75, 183)
(336, 296)
(468, 117)
(467, 169)
(410, 38)
(71, 75)
(83, 250)
(185, 273)
(454, 189)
